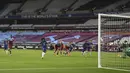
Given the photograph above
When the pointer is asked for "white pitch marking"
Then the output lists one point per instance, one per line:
(49, 68)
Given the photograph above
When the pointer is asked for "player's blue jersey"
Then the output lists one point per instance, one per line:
(44, 45)
(87, 45)
(5, 45)
(71, 46)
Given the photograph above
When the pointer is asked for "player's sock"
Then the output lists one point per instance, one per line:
(69, 54)
(6, 51)
(43, 54)
(54, 51)
(86, 52)
(10, 52)
(65, 53)
(119, 55)
(90, 53)
(60, 53)
(83, 53)
(57, 53)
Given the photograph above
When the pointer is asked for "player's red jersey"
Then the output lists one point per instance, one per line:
(10, 43)
(66, 47)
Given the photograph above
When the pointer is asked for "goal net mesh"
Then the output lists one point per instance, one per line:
(114, 41)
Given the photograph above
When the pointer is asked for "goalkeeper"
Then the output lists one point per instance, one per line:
(125, 47)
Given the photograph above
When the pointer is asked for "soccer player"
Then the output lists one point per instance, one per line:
(44, 47)
(59, 47)
(71, 46)
(87, 46)
(10, 44)
(66, 49)
(6, 46)
(55, 48)
(125, 45)
(63, 46)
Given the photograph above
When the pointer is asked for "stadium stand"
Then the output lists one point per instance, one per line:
(32, 5)
(94, 4)
(112, 7)
(9, 8)
(79, 3)
(57, 5)
(57, 15)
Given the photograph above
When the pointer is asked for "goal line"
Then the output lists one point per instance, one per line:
(49, 68)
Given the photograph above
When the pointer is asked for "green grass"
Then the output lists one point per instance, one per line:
(29, 61)
(114, 61)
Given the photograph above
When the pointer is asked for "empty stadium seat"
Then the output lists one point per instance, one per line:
(9, 8)
(32, 5)
(79, 3)
(57, 5)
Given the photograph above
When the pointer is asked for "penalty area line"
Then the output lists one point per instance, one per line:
(49, 68)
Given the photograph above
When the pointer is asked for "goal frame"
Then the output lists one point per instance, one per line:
(99, 38)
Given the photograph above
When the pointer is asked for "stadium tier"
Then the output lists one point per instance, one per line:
(66, 37)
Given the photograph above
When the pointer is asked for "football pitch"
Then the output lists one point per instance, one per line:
(29, 61)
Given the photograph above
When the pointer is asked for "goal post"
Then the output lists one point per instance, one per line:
(99, 41)
(113, 33)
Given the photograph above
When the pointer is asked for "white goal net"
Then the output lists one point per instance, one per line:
(114, 41)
